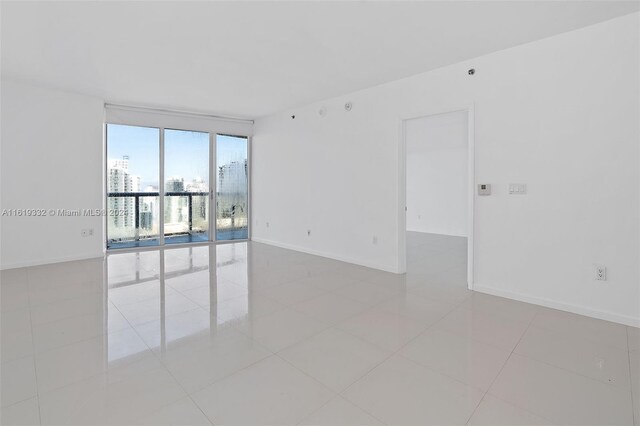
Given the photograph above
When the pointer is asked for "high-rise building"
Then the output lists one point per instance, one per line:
(121, 180)
(175, 207)
(232, 186)
(175, 184)
(199, 203)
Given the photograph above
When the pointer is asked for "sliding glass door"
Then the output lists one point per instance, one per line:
(232, 188)
(186, 186)
(145, 163)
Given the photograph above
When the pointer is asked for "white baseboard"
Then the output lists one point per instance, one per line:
(448, 234)
(576, 309)
(360, 262)
(49, 261)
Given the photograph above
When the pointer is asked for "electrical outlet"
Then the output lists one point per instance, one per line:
(601, 273)
(375, 240)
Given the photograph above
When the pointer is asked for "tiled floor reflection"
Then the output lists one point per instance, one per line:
(251, 334)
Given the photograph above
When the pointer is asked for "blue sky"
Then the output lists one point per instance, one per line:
(186, 153)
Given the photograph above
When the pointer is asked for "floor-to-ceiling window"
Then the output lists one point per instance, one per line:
(133, 166)
(232, 187)
(186, 186)
(160, 182)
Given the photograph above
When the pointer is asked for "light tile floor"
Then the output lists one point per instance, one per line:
(251, 334)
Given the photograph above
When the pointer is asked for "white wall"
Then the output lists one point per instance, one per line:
(437, 173)
(51, 158)
(560, 114)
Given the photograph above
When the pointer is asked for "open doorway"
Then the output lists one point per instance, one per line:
(439, 197)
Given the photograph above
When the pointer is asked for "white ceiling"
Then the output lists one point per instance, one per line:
(251, 59)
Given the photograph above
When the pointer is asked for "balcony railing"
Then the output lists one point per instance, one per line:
(136, 207)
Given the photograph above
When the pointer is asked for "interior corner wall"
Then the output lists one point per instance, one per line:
(437, 154)
(51, 158)
(560, 114)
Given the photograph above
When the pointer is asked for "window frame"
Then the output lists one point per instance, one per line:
(177, 120)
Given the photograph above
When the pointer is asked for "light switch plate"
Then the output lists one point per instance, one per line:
(518, 188)
(484, 189)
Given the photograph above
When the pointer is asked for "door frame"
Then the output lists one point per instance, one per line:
(402, 185)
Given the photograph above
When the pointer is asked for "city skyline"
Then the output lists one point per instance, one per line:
(141, 146)
(122, 165)
(133, 166)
